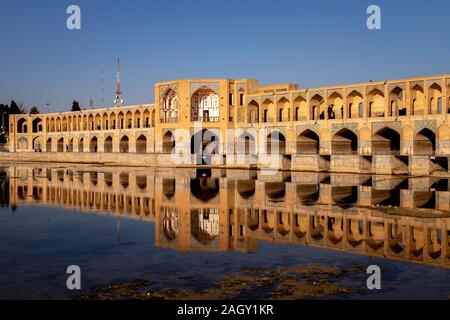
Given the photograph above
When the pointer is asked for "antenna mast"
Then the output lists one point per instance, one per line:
(118, 100)
(103, 83)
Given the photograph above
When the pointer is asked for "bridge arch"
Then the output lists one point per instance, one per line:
(386, 141)
(93, 144)
(108, 145)
(275, 141)
(124, 144)
(344, 141)
(168, 143)
(141, 144)
(60, 145)
(425, 142)
(246, 144)
(308, 142)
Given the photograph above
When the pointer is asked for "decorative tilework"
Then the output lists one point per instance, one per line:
(276, 128)
(414, 83)
(360, 90)
(392, 86)
(378, 87)
(163, 89)
(215, 86)
(338, 91)
(422, 124)
(302, 127)
(394, 125)
(433, 81)
(281, 96)
(295, 95)
(335, 127)
(312, 93)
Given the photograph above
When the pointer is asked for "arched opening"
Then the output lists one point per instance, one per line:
(308, 143)
(435, 96)
(205, 225)
(141, 182)
(128, 120)
(108, 146)
(21, 126)
(146, 119)
(37, 125)
(205, 142)
(120, 121)
(246, 188)
(205, 105)
(81, 145)
(316, 104)
(170, 223)
(124, 145)
(64, 124)
(355, 105)
(93, 145)
(376, 103)
(124, 179)
(275, 143)
(169, 108)
(112, 121)
(138, 119)
(283, 110)
(335, 109)
(141, 144)
(345, 142)
(60, 145)
(71, 145)
(204, 188)
(425, 142)
(300, 109)
(37, 144)
(386, 141)
(168, 145)
(345, 197)
(105, 121)
(91, 123)
(253, 112)
(267, 107)
(417, 98)
(253, 219)
(246, 144)
(308, 194)
(275, 191)
(22, 143)
(397, 102)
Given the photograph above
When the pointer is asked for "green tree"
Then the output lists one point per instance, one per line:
(34, 110)
(75, 106)
(14, 108)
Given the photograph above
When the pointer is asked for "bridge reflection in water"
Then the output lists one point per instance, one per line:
(216, 210)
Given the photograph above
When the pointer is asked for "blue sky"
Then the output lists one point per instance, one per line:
(312, 43)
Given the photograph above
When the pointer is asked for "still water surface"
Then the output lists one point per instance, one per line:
(188, 229)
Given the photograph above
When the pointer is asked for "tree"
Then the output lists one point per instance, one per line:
(34, 110)
(14, 108)
(75, 106)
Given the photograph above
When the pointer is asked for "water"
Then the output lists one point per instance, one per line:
(188, 229)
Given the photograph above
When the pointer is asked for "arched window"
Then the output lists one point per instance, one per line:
(169, 110)
(205, 105)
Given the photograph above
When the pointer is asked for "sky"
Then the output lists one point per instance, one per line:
(312, 43)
